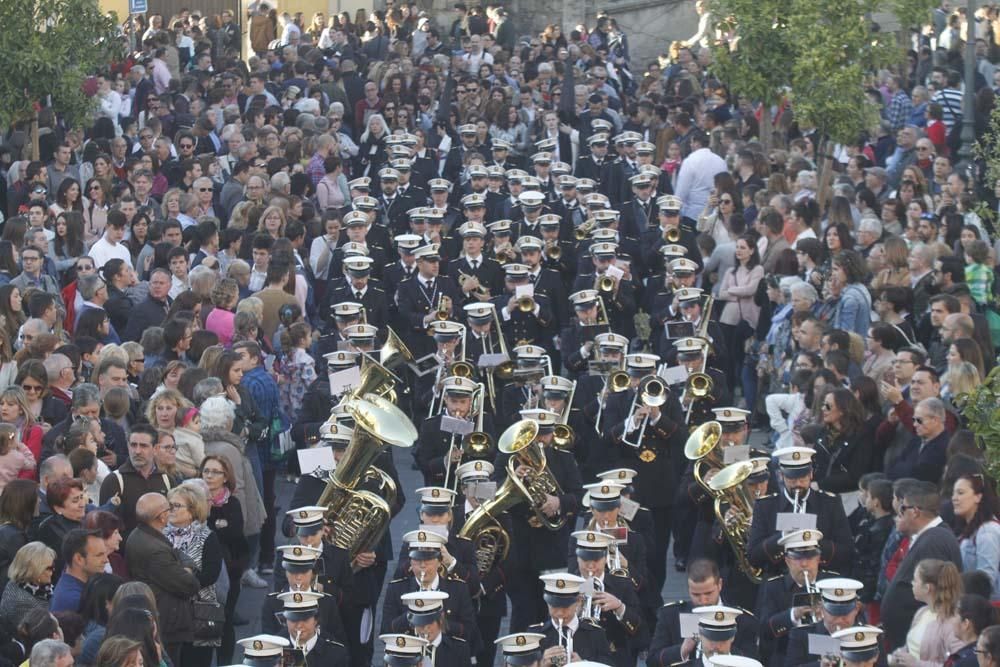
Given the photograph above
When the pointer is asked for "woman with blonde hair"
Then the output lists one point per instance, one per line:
(29, 584)
(171, 206)
(238, 218)
(960, 378)
(188, 532)
(272, 222)
(164, 408)
(16, 410)
(933, 634)
(120, 651)
(897, 270)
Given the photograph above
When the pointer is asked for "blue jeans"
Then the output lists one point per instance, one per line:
(253, 454)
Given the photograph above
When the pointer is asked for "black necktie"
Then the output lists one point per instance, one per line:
(533, 278)
(430, 285)
(357, 296)
(408, 271)
(475, 264)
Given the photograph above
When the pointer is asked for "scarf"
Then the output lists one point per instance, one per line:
(221, 498)
(43, 592)
(181, 538)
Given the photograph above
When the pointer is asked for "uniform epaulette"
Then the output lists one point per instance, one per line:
(537, 625)
(769, 495)
(388, 264)
(333, 641)
(457, 639)
(273, 595)
(675, 603)
(591, 622)
(396, 581)
(777, 576)
(377, 288)
(827, 493)
(746, 612)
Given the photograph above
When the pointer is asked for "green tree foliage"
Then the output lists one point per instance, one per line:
(49, 47)
(981, 409)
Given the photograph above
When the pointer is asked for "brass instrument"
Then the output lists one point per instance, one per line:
(702, 448)
(519, 440)
(526, 304)
(492, 542)
(553, 251)
(360, 517)
(377, 377)
(651, 392)
(583, 231)
(444, 308)
(462, 369)
(563, 436)
(605, 285)
(481, 291)
(673, 235)
(728, 488)
(479, 443)
(590, 609)
(615, 382)
(505, 255)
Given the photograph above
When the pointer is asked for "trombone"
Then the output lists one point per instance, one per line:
(504, 370)
(616, 381)
(563, 436)
(651, 392)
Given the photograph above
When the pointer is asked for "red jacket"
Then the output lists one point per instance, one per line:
(69, 299)
(31, 436)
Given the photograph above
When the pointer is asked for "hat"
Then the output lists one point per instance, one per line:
(644, 147)
(263, 646)
(407, 243)
(560, 169)
(689, 294)
(531, 199)
(479, 313)
(516, 175)
(500, 227)
(717, 622)
(545, 144)
(300, 605)
(631, 137)
(388, 174)
(472, 229)
(733, 661)
(604, 234)
(605, 250)
(478, 171)
(445, 331)
(561, 589)
(529, 243)
(337, 435)
(542, 157)
(690, 348)
(598, 138)
(641, 363)
(858, 644)
(308, 520)
(427, 252)
(529, 354)
(356, 219)
(468, 128)
(360, 333)
(652, 170)
(596, 200)
(640, 179)
(761, 471)
(604, 495)
(495, 171)
(516, 271)
(401, 164)
(458, 386)
(501, 145)
(403, 650)
(521, 648)
(584, 299)
(346, 310)
(439, 185)
(732, 419)
(669, 203)
(683, 265)
(298, 557)
(362, 183)
(365, 203)
(600, 124)
(546, 419)
(472, 471)
(418, 213)
(359, 267)
(606, 215)
(424, 544)
(549, 220)
(556, 386)
(567, 182)
(591, 544)
(839, 595)
(474, 200)
(801, 543)
(424, 606)
(610, 341)
(795, 462)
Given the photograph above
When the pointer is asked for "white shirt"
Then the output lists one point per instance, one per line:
(102, 252)
(696, 180)
(257, 279)
(937, 521)
(805, 234)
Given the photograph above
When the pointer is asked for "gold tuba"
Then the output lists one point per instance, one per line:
(360, 517)
(519, 441)
(492, 542)
(377, 377)
(702, 448)
(727, 486)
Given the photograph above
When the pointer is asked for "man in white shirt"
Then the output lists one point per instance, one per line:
(697, 175)
(109, 246)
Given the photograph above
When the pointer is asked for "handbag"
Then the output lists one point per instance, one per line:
(209, 617)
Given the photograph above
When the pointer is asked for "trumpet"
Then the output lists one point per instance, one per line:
(652, 392)
(591, 609)
(672, 235)
(553, 251)
(798, 507)
(504, 254)
(526, 304)
(563, 641)
(481, 291)
(583, 231)
(605, 285)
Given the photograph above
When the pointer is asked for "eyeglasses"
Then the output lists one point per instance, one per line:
(725, 201)
(211, 472)
(827, 406)
(204, 189)
(187, 145)
(167, 448)
(178, 506)
(904, 508)
(31, 388)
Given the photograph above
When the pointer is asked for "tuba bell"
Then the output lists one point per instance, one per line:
(699, 385)
(519, 440)
(727, 486)
(491, 541)
(702, 448)
(360, 517)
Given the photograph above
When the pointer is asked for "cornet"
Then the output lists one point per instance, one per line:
(526, 304)
(604, 285)
(481, 291)
(583, 231)
(553, 251)
(672, 235)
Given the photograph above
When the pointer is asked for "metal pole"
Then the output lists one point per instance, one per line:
(968, 100)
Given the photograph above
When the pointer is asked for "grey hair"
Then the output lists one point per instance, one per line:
(202, 280)
(924, 253)
(935, 406)
(217, 412)
(49, 465)
(280, 181)
(54, 364)
(87, 286)
(873, 225)
(806, 291)
(48, 652)
(205, 389)
(85, 394)
(35, 325)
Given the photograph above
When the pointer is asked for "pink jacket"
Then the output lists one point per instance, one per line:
(940, 639)
(13, 462)
(220, 322)
(737, 290)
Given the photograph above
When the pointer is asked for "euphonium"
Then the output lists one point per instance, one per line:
(701, 447)
(699, 385)
(361, 517)
(727, 486)
(519, 441)
(490, 539)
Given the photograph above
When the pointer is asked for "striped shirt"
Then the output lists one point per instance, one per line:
(950, 100)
